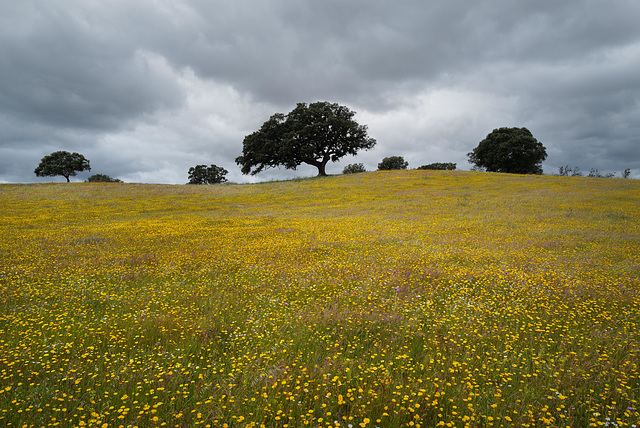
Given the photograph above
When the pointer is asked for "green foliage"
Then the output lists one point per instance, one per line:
(313, 134)
(202, 174)
(102, 178)
(439, 166)
(510, 150)
(62, 163)
(354, 168)
(392, 162)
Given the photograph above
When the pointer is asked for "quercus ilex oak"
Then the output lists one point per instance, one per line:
(510, 150)
(312, 134)
(62, 163)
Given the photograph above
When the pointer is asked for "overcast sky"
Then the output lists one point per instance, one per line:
(145, 89)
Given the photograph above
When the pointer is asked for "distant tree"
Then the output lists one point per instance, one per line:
(597, 174)
(393, 162)
(594, 173)
(62, 163)
(313, 134)
(510, 150)
(566, 171)
(626, 173)
(354, 168)
(202, 174)
(439, 166)
(102, 178)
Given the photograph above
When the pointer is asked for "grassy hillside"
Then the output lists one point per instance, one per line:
(408, 298)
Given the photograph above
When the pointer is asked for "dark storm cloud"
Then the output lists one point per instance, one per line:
(350, 49)
(58, 68)
(148, 88)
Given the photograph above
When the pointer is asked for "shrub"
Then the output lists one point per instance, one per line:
(102, 178)
(392, 162)
(439, 166)
(354, 168)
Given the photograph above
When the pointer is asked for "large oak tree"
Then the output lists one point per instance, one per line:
(511, 150)
(62, 163)
(313, 134)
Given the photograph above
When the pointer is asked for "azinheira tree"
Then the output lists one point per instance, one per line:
(62, 163)
(202, 174)
(511, 150)
(313, 134)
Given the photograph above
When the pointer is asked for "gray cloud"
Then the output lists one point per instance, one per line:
(57, 68)
(146, 89)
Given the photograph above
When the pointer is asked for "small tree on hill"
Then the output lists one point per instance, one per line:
(354, 168)
(102, 178)
(202, 174)
(392, 162)
(594, 173)
(567, 171)
(313, 134)
(511, 150)
(62, 163)
(439, 166)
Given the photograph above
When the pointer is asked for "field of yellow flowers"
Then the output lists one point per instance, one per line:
(384, 299)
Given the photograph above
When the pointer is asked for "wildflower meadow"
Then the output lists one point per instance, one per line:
(382, 299)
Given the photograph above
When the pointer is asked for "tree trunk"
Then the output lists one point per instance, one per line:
(319, 164)
(321, 169)
(67, 177)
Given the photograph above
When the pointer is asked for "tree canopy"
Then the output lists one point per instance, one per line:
(202, 174)
(313, 134)
(393, 162)
(62, 163)
(511, 150)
